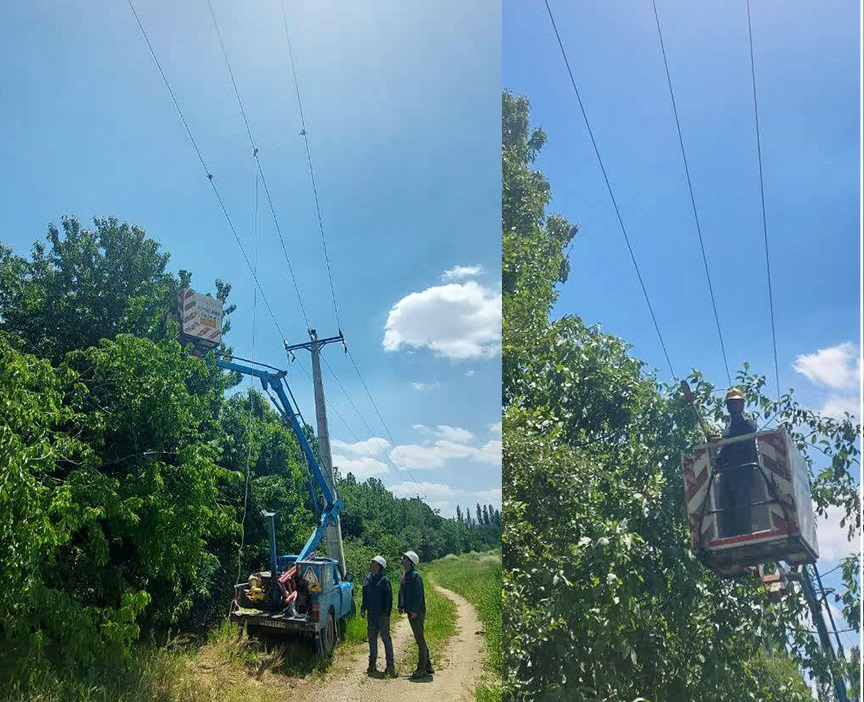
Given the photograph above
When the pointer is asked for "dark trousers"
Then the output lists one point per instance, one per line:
(423, 649)
(735, 501)
(379, 626)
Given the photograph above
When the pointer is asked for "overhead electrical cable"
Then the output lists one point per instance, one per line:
(206, 169)
(692, 196)
(258, 162)
(252, 269)
(305, 135)
(611, 193)
(331, 407)
(378, 412)
(762, 200)
(366, 424)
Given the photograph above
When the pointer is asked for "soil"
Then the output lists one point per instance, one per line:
(455, 675)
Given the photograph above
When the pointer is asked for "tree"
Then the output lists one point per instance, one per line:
(458, 513)
(602, 598)
(87, 285)
(129, 478)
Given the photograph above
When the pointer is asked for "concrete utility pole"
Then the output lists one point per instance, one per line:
(334, 531)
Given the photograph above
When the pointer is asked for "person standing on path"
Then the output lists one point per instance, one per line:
(412, 602)
(378, 602)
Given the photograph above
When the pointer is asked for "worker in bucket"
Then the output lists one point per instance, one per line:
(412, 602)
(736, 464)
(377, 603)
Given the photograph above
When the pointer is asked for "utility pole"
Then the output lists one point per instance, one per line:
(816, 597)
(314, 346)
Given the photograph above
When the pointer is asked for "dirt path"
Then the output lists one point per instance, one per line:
(455, 675)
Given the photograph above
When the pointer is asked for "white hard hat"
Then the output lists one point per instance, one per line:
(413, 557)
(380, 561)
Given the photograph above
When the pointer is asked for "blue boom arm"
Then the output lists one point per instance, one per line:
(333, 505)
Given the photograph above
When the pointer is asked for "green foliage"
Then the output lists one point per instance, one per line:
(132, 484)
(84, 287)
(477, 577)
(603, 599)
(779, 679)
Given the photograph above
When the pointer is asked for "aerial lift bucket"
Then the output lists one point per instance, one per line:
(781, 522)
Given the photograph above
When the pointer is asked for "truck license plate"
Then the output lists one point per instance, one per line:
(274, 624)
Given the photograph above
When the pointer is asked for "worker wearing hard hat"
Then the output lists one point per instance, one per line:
(737, 464)
(378, 603)
(413, 602)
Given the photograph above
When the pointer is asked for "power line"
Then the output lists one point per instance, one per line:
(377, 411)
(258, 161)
(335, 410)
(206, 170)
(366, 424)
(762, 200)
(692, 196)
(266, 189)
(305, 136)
(609, 188)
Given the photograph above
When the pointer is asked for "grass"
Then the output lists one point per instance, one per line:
(220, 669)
(223, 668)
(477, 577)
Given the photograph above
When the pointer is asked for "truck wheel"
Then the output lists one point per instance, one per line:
(328, 636)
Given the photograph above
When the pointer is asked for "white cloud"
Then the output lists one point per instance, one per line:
(447, 433)
(837, 367)
(360, 458)
(362, 467)
(457, 321)
(432, 491)
(432, 455)
(833, 539)
(492, 497)
(446, 444)
(422, 387)
(368, 446)
(469, 373)
(835, 407)
(461, 272)
(495, 428)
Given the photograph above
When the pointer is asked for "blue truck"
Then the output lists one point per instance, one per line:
(323, 601)
(303, 594)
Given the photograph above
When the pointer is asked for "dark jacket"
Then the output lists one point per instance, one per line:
(734, 455)
(411, 597)
(377, 595)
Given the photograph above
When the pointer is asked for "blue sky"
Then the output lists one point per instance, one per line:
(808, 88)
(402, 106)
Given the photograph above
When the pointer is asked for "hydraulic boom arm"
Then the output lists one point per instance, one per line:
(274, 381)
